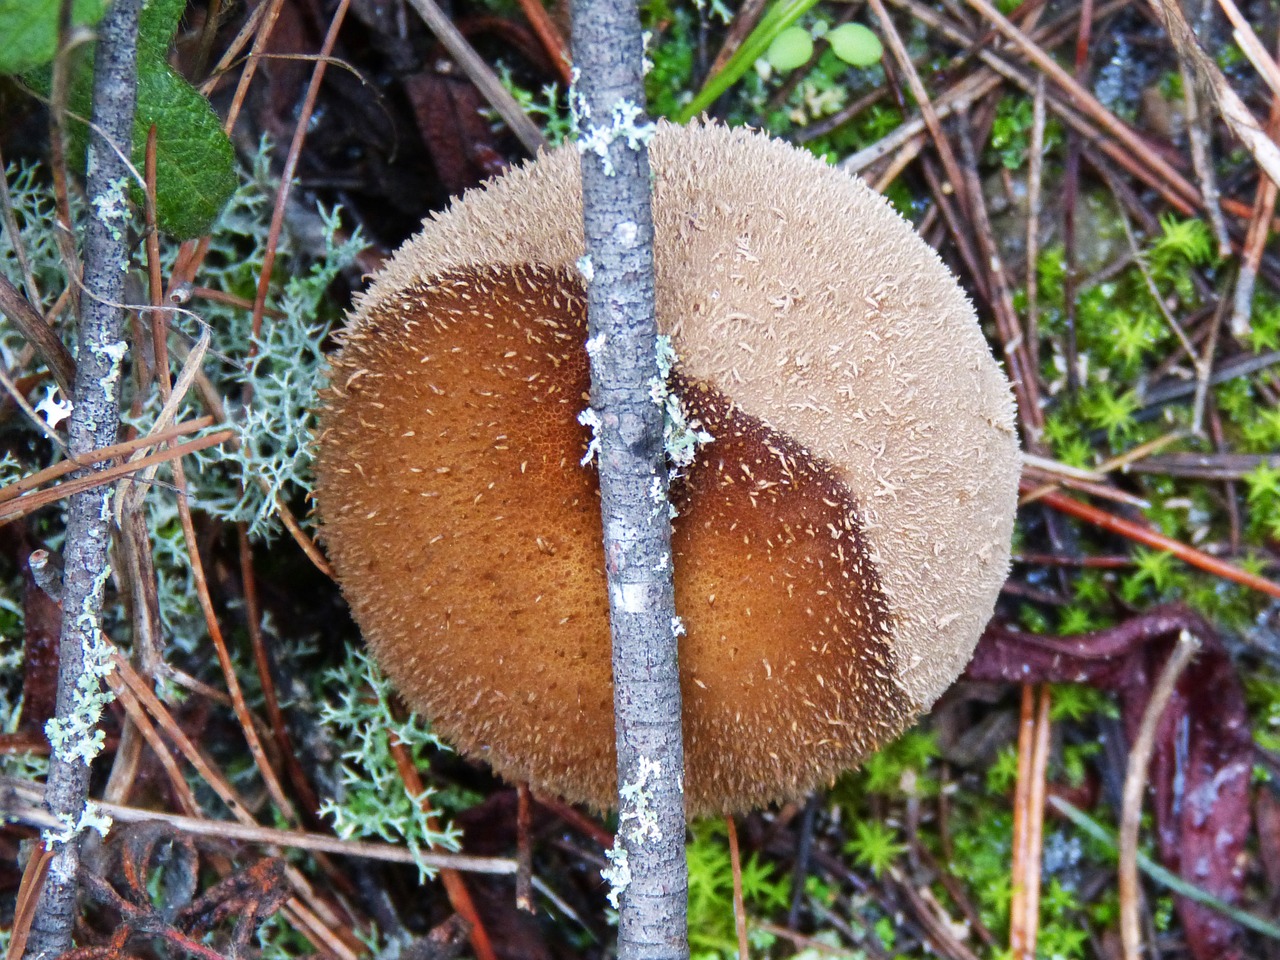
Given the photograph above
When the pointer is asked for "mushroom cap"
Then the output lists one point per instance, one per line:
(839, 545)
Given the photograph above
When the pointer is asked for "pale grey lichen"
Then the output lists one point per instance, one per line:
(681, 436)
(76, 736)
(113, 353)
(590, 418)
(112, 209)
(91, 818)
(618, 873)
(636, 803)
(598, 138)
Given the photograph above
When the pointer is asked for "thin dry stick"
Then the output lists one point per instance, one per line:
(271, 701)
(1230, 107)
(480, 74)
(1035, 819)
(1133, 531)
(190, 752)
(239, 707)
(549, 36)
(1018, 946)
(1204, 367)
(524, 848)
(248, 29)
(1035, 175)
(286, 176)
(1086, 101)
(739, 907)
(142, 723)
(940, 141)
(263, 32)
(1135, 781)
(22, 506)
(744, 22)
(1026, 383)
(454, 886)
(29, 812)
(1200, 136)
(24, 909)
(1255, 240)
(18, 487)
(37, 331)
(1251, 46)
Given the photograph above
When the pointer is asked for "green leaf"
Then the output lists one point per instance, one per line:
(157, 23)
(195, 162)
(30, 30)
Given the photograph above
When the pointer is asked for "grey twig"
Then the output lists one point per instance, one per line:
(95, 421)
(649, 872)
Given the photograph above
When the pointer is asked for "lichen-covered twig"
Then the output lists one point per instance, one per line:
(95, 420)
(650, 882)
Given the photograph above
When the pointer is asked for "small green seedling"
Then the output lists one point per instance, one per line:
(790, 49)
(855, 44)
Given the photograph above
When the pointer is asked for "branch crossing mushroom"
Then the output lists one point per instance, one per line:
(839, 543)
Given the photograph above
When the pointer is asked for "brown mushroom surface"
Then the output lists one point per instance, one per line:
(840, 542)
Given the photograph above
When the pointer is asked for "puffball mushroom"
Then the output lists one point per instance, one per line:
(839, 543)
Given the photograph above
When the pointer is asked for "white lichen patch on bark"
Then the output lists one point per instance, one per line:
(598, 138)
(681, 436)
(637, 804)
(590, 418)
(76, 738)
(91, 818)
(618, 873)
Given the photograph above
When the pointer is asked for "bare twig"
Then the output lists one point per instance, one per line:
(95, 421)
(1035, 176)
(286, 177)
(455, 887)
(650, 874)
(1135, 782)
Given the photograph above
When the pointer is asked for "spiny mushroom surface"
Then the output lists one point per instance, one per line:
(840, 542)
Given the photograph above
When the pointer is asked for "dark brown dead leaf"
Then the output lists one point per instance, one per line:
(1204, 750)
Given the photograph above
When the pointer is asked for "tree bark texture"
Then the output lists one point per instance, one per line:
(612, 134)
(95, 422)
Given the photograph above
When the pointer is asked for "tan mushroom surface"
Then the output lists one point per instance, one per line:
(840, 542)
